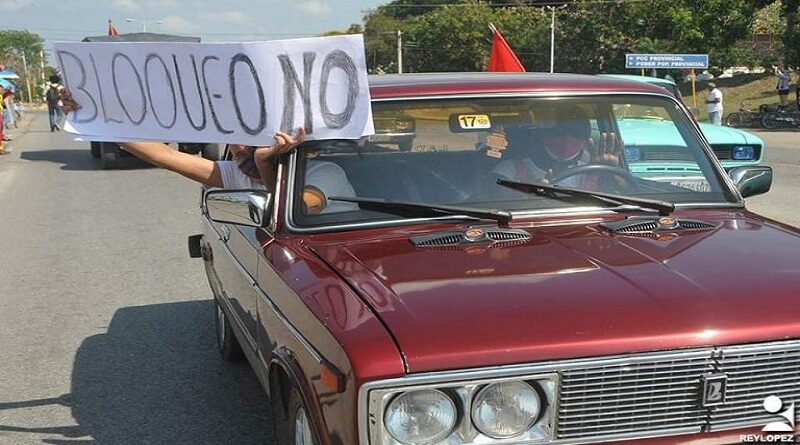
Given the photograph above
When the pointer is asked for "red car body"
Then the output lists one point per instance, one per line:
(329, 313)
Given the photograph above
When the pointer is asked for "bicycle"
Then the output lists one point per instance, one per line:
(746, 117)
(781, 119)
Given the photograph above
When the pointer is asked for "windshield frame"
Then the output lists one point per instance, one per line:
(728, 188)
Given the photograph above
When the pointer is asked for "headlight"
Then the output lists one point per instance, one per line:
(503, 410)
(743, 152)
(420, 417)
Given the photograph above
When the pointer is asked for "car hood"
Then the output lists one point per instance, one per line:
(717, 134)
(577, 291)
(640, 131)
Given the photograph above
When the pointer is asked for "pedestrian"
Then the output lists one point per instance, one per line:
(2, 126)
(52, 95)
(714, 104)
(8, 106)
(783, 85)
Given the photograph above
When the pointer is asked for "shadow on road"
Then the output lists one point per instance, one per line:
(75, 159)
(155, 377)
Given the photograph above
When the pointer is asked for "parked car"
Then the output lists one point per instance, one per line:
(109, 152)
(435, 303)
(733, 147)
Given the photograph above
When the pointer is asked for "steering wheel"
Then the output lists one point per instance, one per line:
(600, 170)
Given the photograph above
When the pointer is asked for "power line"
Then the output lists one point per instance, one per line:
(85, 32)
(514, 5)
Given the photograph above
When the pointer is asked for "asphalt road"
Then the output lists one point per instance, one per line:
(782, 203)
(106, 328)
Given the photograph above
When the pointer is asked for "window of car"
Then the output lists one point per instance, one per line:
(453, 151)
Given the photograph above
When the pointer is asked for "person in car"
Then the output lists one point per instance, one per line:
(539, 155)
(250, 168)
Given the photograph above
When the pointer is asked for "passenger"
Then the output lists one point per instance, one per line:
(250, 167)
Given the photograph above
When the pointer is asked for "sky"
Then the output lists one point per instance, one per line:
(213, 21)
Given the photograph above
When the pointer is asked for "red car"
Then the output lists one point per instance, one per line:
(508, 279)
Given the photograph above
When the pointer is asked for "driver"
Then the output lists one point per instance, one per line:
(540, 155)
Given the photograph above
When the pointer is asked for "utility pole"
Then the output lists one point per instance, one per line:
(27, 77)
(41, 61)
(553, 35)
(399, 52)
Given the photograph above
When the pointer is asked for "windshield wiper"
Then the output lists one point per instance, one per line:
(425, 210)
(663, 208)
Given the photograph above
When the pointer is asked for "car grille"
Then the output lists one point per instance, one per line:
(724, 152)
(754, 374)
(665, 154)
(657, 394)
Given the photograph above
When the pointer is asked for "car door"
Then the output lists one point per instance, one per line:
(236, 252)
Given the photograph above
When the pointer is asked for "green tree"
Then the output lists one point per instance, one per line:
(791, 54)
(18, 48)
(591, 37)
(355, 28)
(380, 41)
(596, 36)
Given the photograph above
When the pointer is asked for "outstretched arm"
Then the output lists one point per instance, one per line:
(162, 155)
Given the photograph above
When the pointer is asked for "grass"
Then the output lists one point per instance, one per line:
(753, 89)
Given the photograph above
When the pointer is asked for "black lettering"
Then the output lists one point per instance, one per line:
(106, 119)
(116, 57)
(262, 120)
(148, 59)
(289, 78)
(79, 87)
(208, 94)
(202, 124)
(338, 59)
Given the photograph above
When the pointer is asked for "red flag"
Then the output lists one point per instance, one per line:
(112, 30)
(502, 57)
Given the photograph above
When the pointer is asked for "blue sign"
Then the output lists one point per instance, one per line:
(667, 61)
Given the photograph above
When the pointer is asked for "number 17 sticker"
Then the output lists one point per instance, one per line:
(474, 121)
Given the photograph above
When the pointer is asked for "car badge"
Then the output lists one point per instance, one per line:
(668, 222)
(714, 387)
(474, 234)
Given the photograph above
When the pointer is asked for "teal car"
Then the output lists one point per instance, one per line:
(733, 147)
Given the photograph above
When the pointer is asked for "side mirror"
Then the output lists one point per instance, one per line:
(243, 207)
(753, 180)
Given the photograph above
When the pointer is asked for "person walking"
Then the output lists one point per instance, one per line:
(783, 85)
(2, 126)
(714, 104)
(52, 95)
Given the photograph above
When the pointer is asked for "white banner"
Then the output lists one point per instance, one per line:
(218, 92)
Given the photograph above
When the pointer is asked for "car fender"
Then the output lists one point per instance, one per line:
(284, 359)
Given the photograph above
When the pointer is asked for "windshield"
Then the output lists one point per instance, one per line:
(453, 151)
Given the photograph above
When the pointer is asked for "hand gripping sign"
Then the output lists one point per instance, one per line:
(218, 92)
